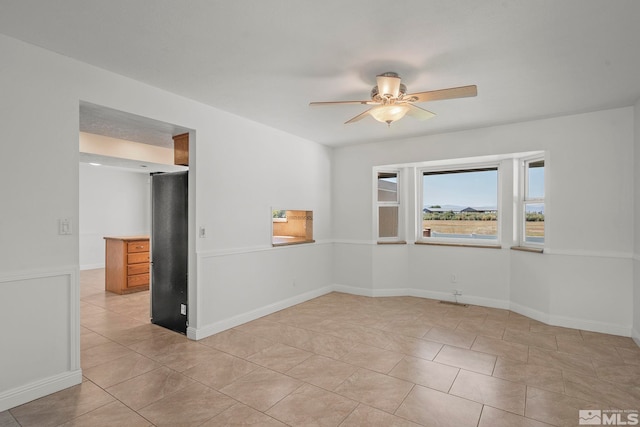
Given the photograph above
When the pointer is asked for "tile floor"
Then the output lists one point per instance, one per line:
(337, 360)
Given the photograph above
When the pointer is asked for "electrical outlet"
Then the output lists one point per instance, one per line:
(454, 278)
(183, 309)
(202, 232)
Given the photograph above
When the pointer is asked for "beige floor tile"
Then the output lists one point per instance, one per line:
(416, 347)
(139, 333)
(91, 339)
(366, 416)
(597, 352)
(158, 345)
(7, 420)
(416, 328)
(310, 405)
(431, 407)
(492, 417)
(374, 389)
(272, 331)
(240, 415)
(119, 370)
(466, 359)
(558, 331)
(322, 371)
(63, 406)
(543, 377)
(621, 375)
(631, 356)
(545, 341)
(220, 370)
(279, 357)
(103, 353)
(601, 391)
(150, 387)
(429, 374)
(567, 362)
(555, 408)
(261, 389)
(506, 395)
(373, 358)
(192, 406)
(185, 355)
(139, 363)
(112, 414)
(450, 337)
(488, 328)
(359, 334)
(611, 340)
(501, 348)
(236, 342)
(323, 344)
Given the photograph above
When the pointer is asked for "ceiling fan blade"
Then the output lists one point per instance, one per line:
(342, 103)
(437, 95)
(388, 85)
(419, 113)
(359, 116)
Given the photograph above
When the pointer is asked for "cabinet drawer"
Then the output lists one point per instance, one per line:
(141, 246)
(137, 258)
(138, 268)
(138, 280)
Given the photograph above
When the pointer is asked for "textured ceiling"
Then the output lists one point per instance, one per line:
(267, 59)
(105, 121)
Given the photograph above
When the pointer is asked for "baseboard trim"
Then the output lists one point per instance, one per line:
(21, 395)
(223, 325)
(550, 319)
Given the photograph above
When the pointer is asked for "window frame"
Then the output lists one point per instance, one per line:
(524, 200)
(420, 239)
(397, 203)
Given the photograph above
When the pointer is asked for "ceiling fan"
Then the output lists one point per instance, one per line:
(391, 101)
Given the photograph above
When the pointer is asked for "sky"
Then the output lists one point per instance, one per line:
(472, 189)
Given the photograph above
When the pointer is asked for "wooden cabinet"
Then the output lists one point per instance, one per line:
(181, 149)
(126, 264)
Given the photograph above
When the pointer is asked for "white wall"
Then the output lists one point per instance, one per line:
(113, 202)
(239, 170)
(584, 279)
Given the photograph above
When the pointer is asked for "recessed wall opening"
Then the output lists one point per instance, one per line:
(291, 227)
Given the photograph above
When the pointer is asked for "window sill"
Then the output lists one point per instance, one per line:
(458, 245)
(527, 249)
(290, 241)
(398, 242)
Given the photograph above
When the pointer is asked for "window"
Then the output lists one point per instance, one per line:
(388, 200)
(291, 227)
(459, 205)
(533, 203)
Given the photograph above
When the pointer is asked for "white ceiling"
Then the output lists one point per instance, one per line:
(267, 59)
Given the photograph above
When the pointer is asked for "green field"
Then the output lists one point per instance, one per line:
(534, 228)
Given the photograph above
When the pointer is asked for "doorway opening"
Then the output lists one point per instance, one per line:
(118, 153)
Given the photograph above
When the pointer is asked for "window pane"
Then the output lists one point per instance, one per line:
(461, 204)
(534, 223)
(388, 221)
(387, 187)
(535, 180)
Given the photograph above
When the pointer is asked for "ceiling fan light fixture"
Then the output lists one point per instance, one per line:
(389, 113)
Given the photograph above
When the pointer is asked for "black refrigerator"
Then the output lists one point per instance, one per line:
(169, 250)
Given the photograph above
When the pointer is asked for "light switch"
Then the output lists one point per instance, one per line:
(64, 226)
